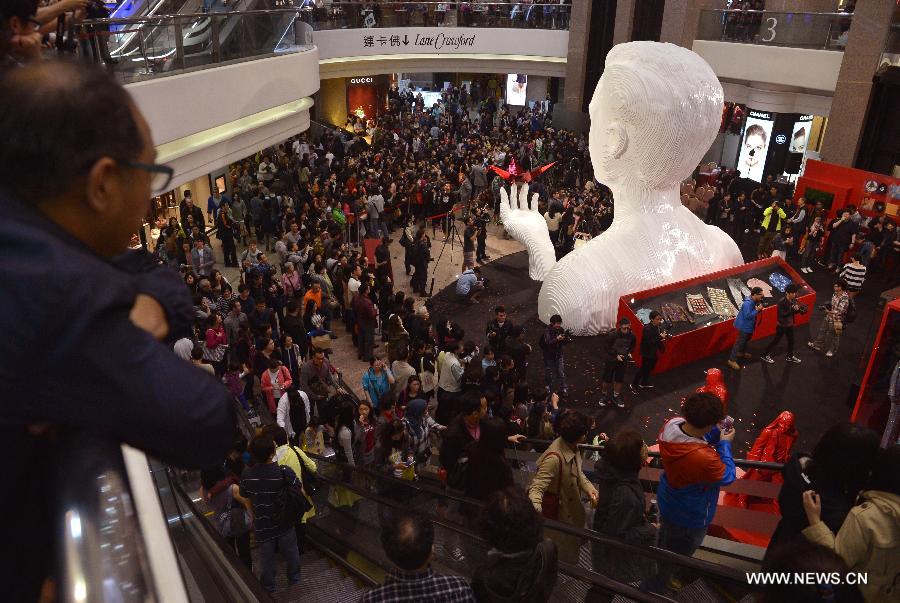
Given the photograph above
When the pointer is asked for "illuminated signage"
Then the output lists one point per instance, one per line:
(361, 80)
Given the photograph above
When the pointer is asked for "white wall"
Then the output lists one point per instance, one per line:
(757, 96)
(181, 105)
(344, 53)
(441, 40)
(797, 68)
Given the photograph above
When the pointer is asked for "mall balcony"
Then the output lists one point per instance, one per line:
(217, 85)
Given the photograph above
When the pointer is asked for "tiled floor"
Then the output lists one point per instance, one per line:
(444, 273)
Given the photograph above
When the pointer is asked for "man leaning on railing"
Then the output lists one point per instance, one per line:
(87, 327)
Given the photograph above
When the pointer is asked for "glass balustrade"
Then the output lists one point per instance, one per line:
(826, 31)
(151, 46)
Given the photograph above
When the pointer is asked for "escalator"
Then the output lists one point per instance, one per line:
(179, 34)
(142, 526)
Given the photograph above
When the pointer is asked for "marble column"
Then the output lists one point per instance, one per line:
(868, 33)
(673, 23)
(579, 32)
(624, 21)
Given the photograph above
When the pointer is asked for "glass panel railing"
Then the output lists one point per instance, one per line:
(102, 553)
(350, 15)
(153, 45)
(826, 31)
(147, 47)
(352, 502)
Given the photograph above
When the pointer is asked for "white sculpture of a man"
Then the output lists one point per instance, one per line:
(654, 114)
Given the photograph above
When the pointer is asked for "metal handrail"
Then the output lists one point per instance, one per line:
(273, 11)
(742, 463)
(739, 11)
(101, 541)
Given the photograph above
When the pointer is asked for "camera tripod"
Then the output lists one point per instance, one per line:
(452, 237)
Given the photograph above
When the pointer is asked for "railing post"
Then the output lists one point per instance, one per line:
(216, 42)
(179, 44)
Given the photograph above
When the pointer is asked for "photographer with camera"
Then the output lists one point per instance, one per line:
(788, 307)
(618, 352)
(745, 324)
(551, 343)
(469, 285)
(652, 344)
(481, 222)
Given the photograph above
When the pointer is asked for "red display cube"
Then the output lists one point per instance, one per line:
(710, 334)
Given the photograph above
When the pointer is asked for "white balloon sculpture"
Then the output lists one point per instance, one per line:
(655, 112)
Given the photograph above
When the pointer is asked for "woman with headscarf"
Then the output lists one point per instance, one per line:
(419, 425)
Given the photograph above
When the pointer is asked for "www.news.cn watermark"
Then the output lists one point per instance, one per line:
(807, 578)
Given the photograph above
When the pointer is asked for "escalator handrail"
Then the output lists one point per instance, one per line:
(697, 565)
(236, 565)
(607, 583)
(742, 463)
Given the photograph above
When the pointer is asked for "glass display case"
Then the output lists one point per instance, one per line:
(699, 313)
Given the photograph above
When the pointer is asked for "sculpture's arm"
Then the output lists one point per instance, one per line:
(526, 225)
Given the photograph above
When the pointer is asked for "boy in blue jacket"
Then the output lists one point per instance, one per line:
(697, 461)
(745, 323)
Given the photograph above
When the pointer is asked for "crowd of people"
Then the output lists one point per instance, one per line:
(436, 388)
(292, 222)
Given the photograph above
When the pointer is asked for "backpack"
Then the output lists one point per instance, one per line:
(308, 479)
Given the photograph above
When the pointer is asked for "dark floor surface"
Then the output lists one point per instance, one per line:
(819, 391)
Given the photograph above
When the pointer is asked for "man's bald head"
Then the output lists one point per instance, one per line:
(407, 540)
(56, 120)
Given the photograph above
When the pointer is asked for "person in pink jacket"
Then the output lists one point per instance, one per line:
(216, 344)
(274, 382)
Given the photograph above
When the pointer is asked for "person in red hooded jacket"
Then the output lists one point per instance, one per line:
(697, 461)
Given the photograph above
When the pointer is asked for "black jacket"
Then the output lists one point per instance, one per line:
(651, 341)
(619, 344)
(620, 515)
(786, 311)
(454, 440)
(523, 577)
(498, 342)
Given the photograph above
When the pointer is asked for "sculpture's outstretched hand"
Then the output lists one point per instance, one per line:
(526, 225)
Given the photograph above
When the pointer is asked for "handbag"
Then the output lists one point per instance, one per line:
(294, 504)
(428, 380)
(550, 502)
(235, 520)
(215, 354)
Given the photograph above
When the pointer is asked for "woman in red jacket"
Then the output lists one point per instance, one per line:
(216, 344)
(274, 382)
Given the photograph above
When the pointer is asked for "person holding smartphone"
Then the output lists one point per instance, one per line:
(697, 461)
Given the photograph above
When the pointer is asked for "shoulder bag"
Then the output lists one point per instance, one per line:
(294, 504)
(550, 502)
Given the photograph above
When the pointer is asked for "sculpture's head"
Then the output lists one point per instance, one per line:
(654, 114)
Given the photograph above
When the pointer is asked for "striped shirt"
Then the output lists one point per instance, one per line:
(263, 485)
(854, 275)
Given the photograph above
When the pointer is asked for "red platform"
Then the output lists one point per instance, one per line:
(685, 348)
